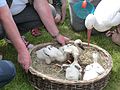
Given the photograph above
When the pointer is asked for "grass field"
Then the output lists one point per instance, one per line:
(20, 82)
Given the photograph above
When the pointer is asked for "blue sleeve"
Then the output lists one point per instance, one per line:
(2, 3)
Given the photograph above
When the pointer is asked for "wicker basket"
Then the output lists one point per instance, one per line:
(41, 81)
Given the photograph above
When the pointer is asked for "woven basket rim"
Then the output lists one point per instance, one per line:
(107, 71)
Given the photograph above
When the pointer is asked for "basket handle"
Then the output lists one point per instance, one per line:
(84, 4)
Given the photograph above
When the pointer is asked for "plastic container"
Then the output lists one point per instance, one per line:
(83, 12)
(78, 14)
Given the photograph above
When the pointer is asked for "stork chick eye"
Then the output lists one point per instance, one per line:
(46, 53)
(77, 67)
(49, 48)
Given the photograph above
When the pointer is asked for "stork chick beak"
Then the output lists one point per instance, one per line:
(89, 35)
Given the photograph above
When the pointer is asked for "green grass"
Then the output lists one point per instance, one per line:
(20, 82)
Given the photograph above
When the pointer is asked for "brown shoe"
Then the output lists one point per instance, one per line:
(35, 32)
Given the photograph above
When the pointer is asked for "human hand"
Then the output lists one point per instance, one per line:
(57, 18)
(24, 59)
(62, 39)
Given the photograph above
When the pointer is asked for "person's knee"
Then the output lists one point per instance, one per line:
(8, 70)
(11, 68)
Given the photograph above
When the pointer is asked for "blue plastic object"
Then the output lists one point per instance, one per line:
(83, 12)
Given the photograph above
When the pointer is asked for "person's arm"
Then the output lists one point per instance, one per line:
(43, 9)
(13, 34)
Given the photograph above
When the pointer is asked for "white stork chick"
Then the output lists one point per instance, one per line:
(93, 70)
(42, 56)
(69, 48)
(73, 71)
(90, 73)
(62, 50)
(98, 68)
(79, 44)
(52, 53)
(79, 48)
